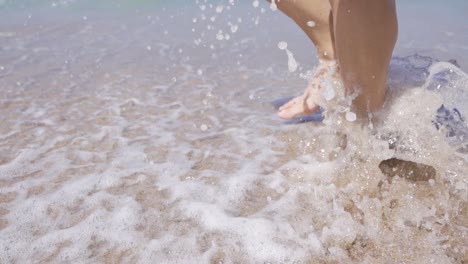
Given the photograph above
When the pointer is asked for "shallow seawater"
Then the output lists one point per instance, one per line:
(134, 132)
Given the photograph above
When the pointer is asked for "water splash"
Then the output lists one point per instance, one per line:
(273, 5)
(292, 64)
(311, 24)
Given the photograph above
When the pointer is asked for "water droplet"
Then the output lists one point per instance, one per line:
(273, 5)
(257, 19)
(219, 9)
(311, 24)
(234, 28)
(200, 72)
(148, 47)
(255, 3)
(292, 64)
(203, 127)
(350, 116)
(328, 93)
(282, 45)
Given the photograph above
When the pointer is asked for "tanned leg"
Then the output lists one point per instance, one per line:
(318, 11)
(365, 32)
(302, 12)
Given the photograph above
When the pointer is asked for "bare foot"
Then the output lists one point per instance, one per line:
(301, 105)
(307, 103)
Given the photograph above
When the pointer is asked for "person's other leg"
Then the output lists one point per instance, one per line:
(302, 12)
(365, 32)
(317, 11)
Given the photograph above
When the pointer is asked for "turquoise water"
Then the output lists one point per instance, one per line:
(143, 132)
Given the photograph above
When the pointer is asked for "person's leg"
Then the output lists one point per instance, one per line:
(317, 11)
(302, 12)
(365, 32)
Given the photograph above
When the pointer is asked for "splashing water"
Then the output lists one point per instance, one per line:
(255, 3)
(282, 45)
(273, 5)
(311, 24)
(292, 64)
(110, 152)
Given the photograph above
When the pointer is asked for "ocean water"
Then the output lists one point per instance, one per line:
(144, 132)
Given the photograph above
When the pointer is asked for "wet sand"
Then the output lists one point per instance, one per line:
(122, 140)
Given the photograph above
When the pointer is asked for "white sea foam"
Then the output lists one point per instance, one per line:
(111, 153)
